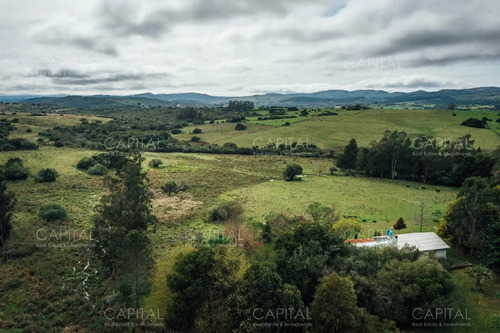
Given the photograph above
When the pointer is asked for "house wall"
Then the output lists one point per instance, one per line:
(441, 254)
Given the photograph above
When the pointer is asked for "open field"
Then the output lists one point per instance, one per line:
(364, 125)
(369, 199)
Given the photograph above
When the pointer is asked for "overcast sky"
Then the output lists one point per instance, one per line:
(236, 47)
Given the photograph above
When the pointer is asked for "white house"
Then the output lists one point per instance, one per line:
(426, 242)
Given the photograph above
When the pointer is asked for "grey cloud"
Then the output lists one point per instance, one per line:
(113, 78)
(415, 81)
(120, 18)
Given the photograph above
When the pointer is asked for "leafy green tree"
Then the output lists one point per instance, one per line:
(402, 286)
(322, 213)
(303, 255)
(292, 171)
(478, 272)
(260, 295)
(347, 227)
(7, 202)
(201, 283)
(347, 160)
(227, 272)
(340, 315)
(188, 283)
(472, 218)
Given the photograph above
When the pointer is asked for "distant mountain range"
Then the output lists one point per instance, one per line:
(467, 97)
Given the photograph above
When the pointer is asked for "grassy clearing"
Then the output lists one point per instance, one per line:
(364, 125)
(370, 199)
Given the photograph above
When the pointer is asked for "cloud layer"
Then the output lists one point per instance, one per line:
(238, 47)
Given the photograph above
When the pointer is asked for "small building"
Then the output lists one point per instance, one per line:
(426, 242)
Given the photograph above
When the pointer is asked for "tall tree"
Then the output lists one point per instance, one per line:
(334, 307)
(304, 254)
(126, 207)
(347, 160)
(471, 218)
(7, 202)
(135, 261)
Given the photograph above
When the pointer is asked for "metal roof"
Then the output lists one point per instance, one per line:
(424, 241)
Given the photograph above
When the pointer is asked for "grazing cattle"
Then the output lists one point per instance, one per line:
(438, 190)
(418, 187)
(407, 185)
(422, 188)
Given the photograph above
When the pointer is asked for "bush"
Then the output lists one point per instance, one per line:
(176, 131)
(155, 163)
(22, 144)
(195, 139)
(170, 187)
(473, 122)
(52, 212)
(85, 163)
(224, 211)
(230, 145)
(58, 144)
(197, 131)
(292, 171)
(29, 130)
(46, 175)
(14, 169)
(97, 170)
(240, 127)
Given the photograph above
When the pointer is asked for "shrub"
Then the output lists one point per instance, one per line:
(14, 169)
(170, 187)
(97, 170)
(240, 127)
(52, 212)
(195, 139)
(58, 144)
(155, 163)
(224, 211)
(292, 171)
(473, 122)
(230, 145)
(197, 131)
(85, 163)
(22, 144)
(176, 131)
(46, 175)
(29, 130)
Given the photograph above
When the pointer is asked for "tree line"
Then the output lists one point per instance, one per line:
(429, 160)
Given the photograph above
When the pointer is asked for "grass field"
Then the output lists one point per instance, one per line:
(369, 199)
(364, 125)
